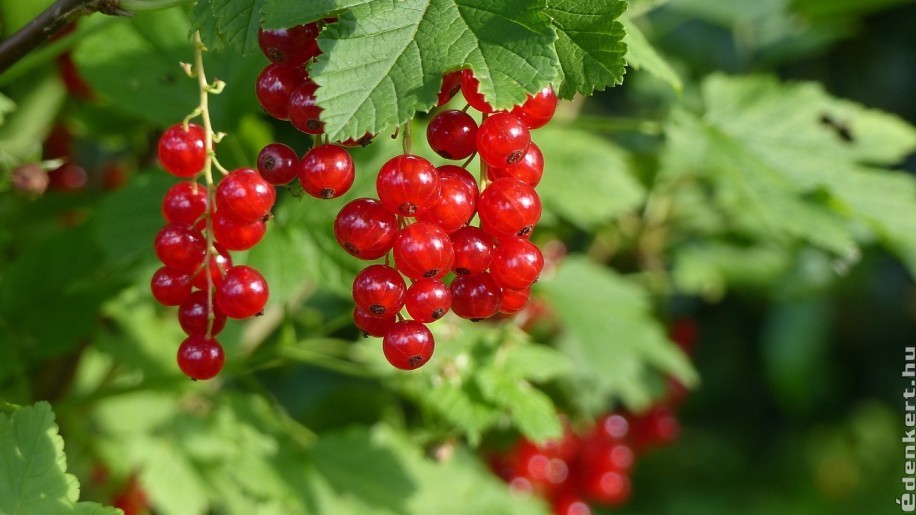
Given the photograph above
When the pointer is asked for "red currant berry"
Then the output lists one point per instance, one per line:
(278, 164)
(608, 488)
(509, 207)
(184, 203)
(502, 140)
(543, 467)
(568, 502)
(538, 109)
(180, 247)
(68, 177)
(408, 345)
(513, 301)
(428, 300)
(293, 46)
(423, 250)
(475, 296)
(372, 325)
(326, 171)
(613, 426)
(220, 261)
(378, 290)
(452, 134)
(182, 152)
(529, 170)
(246, 194)
(200, 357)
(407, 184)
(451, 85)
(235, 234)
(303, 110)
(462, 175)
(658, 426)
(170, 287)
(193, 315)
(243, 293)
(516, 263)
(274, 87)
(365, 228)
(473, 250)
(470, 88)
(454, 208)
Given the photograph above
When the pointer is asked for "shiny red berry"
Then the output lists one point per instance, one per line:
(291, 47)
(502, 140)
(454, 208)
(529, 170)
(473, 250)
(246, 194)
(408, 345)
(278, 164)
(170, 287)
(407, 184)
(236, 234)
(274, 87)
(182, 152)
(365, 228)
(428, 300)
(470, 89)
(513, 301)
(452, 134)
(184, 203)
(509, 207)
(200, 357)
(451, 85)
(607, 488)
(326, 171)
(423, 250)
(378, 290)
(303, 110)
(372, 325)
(538, 109)
(193, 315)
(462, 175)
(180, 247)
(243, 293)
(475, 296)
(516, 263)
(220, 261)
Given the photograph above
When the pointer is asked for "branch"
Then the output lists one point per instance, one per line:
(48, 23)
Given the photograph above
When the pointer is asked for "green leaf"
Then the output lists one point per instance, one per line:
(643, 56)
(229, 24)
(33, 467)
(587, 179)
(611, 336)
(709, 268)
(589, 44)
(7, 106)
(531, 410)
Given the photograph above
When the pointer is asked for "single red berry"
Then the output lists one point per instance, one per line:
(170, 287)
(246, 194)
(236, 234)
(293, 46)
(184, 203)
(470, 88)
(451, 85)
(475, 296)
(428, 300)
(473, 250)
(462, 175)
(407, 184)
(454, 208)
(200, 357)
(537, 109)
(278, 164)
(502, 140)
(529, 170)
(243, 294)
(68, 177)
(509, 207)
(180, 247)
(423, 250)
(513, 301)
(365, 228)
(608, 488)
(372, 325)
(326, 171)
(658, 426)
(378, 290)
(182, 152)
(408, 345)
(452, 134)
(516, 263)
(613, 426)
(569, 502)
(220, 261)
(193, 315)
(303, 110)
(275, 86)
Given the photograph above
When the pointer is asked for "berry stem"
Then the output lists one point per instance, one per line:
(407, 138)
(483, 179)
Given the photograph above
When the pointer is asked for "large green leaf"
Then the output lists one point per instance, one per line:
(643, 56)
(33, 467)
(231, 24)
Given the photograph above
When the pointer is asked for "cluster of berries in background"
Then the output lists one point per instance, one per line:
(203, 226)
(420, 221)
(592, 466)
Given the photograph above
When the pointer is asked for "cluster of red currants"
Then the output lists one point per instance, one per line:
(203, 225)
(579, 470)
(423, 217)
